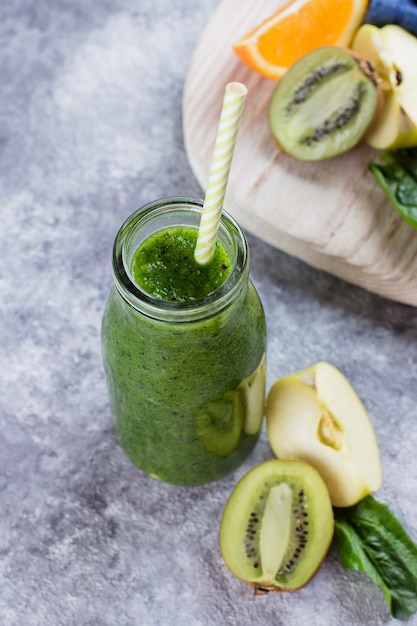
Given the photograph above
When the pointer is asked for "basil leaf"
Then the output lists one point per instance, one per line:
(398, 178)
(369, 538)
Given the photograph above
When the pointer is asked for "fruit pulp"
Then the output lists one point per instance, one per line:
(177, 390)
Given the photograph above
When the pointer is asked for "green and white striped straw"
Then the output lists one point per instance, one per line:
(231, 113)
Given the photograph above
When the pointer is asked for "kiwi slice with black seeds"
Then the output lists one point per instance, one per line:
(324, 104)
(277, 526)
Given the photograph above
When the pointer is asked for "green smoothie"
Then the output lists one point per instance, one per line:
(187, 395)
(164, 266)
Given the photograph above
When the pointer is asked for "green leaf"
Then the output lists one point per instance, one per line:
(397, 176)
(353, 555)
(369, 538)
(407, 158)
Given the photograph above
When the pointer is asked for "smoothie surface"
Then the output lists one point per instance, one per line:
(164, 266)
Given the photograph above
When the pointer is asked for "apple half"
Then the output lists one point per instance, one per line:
(393, 52)
(316, 416)
(392, 129)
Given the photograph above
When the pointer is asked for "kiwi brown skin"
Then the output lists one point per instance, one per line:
(320, 524)
(368, 70)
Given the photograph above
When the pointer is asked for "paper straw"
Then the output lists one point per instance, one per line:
(231, 113)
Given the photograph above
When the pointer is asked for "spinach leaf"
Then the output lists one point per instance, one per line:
(369, 538)
(397, 176)
(407, 158)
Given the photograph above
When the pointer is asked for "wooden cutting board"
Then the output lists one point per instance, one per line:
(331, 214)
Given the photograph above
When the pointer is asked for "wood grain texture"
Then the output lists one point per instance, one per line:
(331, 214)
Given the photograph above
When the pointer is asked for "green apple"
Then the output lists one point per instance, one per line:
(393, 52)
(316, 416)
(392, 129)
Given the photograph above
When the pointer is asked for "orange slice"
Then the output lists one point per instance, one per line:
(297, 28)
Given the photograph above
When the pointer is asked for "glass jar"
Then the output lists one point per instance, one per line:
(186, 380)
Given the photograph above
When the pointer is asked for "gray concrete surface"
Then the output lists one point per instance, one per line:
(90, 128)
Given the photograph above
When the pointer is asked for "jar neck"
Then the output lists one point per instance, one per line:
(173, 212)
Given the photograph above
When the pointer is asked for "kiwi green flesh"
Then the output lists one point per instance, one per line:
(275, 531)
(306, 540)
(220, 423)
(322, 106)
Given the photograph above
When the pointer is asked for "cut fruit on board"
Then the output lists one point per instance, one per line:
(331, 214)
(273, 46)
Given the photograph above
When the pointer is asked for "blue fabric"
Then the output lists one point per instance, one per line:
(401, 12)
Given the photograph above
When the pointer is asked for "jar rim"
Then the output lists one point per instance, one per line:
(178, 311)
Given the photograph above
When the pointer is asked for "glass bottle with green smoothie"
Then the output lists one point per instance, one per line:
(183, 346)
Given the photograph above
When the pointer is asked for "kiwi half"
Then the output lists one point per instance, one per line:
(277, 526)
(323, 104)
(220, 422)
